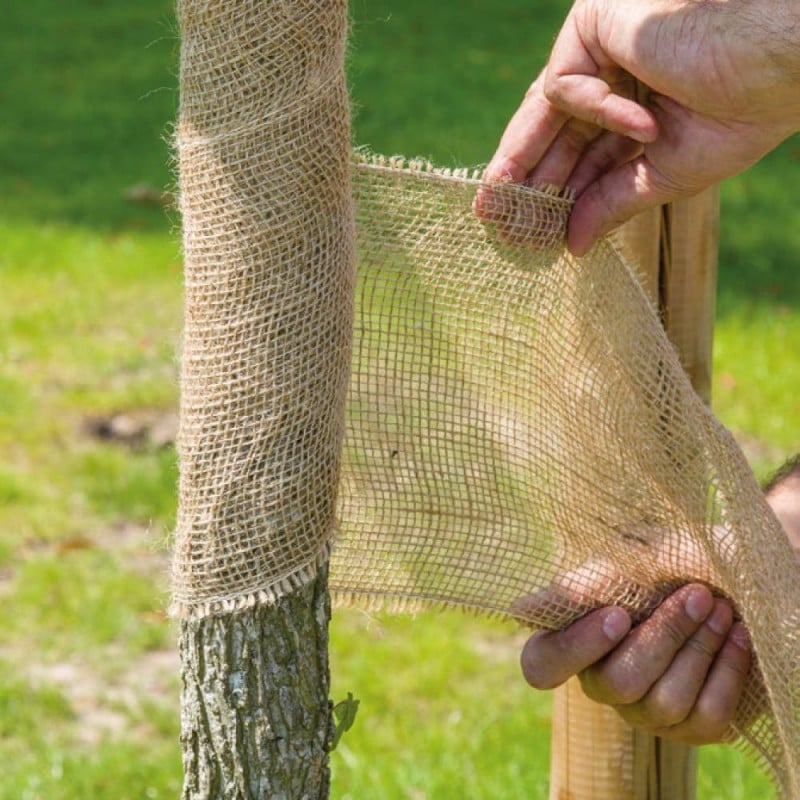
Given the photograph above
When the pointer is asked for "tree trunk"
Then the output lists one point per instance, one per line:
(263, 143)
(256, 717)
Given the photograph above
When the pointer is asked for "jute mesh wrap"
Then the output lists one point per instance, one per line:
(263, 147)
(520, 437)
(522, 440)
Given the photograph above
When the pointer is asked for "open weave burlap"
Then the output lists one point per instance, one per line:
(520, 437)
(263, 148)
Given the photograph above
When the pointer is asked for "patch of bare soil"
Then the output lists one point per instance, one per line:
(110, 703)
(138, 546)
(139, 429)
(112, 707)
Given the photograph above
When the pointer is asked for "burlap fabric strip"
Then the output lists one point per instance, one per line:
(268, 252)
(522, 440)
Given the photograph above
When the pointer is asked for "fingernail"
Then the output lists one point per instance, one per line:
(740, 636)
(616, 624)
(720, 619)
(698, 604)
(642, 137)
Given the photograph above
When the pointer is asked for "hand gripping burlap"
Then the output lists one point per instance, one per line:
(519, 437)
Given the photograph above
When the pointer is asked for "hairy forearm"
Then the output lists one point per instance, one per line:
(773, 28)
(769, 31)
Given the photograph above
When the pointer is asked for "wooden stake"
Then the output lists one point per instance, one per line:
(595, 755)
(688, 282)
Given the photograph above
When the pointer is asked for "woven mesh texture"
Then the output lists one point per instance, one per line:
(519, 437)
(263, 145)
(522, 440)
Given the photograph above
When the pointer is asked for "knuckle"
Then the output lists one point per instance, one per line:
(553, 90)
(536, 90)
(674, 631)
(624, 690)
(700, 646)
(714, 717)
(598, 118)
(628, 695)
(662, 714)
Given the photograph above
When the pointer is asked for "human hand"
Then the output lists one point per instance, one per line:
(680, 673)
(723, 92)
(679, 669)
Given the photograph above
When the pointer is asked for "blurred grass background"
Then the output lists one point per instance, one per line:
(90, 311)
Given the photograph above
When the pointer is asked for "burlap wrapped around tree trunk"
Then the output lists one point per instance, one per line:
(268, 298)
(519, 436)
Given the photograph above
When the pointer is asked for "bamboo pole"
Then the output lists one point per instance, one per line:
(595, 755)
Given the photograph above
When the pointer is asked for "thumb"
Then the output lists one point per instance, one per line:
(551, 657)
(615, 198)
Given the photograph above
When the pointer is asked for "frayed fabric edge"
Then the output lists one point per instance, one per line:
(363, 158)
(268, 595)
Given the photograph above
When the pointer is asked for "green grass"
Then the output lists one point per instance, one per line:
(90, 325)
(756, 375)
(443, 711)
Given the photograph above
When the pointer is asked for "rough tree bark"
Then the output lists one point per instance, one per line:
(256, 718)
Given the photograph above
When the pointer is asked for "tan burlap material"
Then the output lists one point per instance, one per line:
(519, 436)
(263, 147)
